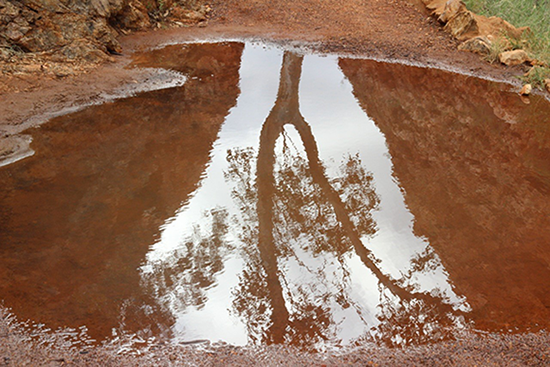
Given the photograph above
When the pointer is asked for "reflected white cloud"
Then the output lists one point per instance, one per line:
(206, 270)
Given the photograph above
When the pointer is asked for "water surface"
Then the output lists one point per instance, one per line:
(278, 197)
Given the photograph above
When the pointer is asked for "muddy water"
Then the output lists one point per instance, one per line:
(283, 198)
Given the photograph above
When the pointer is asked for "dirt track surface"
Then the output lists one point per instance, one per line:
(17, 349)
(396, 30)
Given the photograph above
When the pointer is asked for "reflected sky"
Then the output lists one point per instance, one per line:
(208, 268)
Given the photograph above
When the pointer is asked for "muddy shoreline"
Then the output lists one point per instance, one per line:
(18, 347)
(32, 99)
(414, 38)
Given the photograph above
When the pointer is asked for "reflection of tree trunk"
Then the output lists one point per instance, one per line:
(281, 114)
(286, 111)
(319, 177)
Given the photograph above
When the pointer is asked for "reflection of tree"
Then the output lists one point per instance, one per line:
(195, 265)
(299, 230)
(295, 197)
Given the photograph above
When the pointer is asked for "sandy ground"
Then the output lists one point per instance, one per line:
(390, 30)
(18, 348)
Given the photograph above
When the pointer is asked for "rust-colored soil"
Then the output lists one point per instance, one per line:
(398, 30)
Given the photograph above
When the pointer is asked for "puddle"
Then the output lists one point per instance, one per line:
(283, 198)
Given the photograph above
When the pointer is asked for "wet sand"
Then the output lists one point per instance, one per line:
(469, 350)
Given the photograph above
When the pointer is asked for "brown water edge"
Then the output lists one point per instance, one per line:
(469, 349)
(474, 164)
(78, 217)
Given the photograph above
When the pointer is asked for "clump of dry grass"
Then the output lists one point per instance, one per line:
(534, 14)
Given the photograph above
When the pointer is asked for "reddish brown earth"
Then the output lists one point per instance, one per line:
(396, 30)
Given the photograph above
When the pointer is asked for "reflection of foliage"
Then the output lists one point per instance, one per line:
(311, 319)
(413, 321)
(415, 318)
(300, 211)
(301, 207)
(241, 172)
(422, 263)
(251, 299)
(193, 266)
(355, 188)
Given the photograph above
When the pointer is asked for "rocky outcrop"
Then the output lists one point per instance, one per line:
(488, 36)
(514, 57)
(81, 29)
(464, 24)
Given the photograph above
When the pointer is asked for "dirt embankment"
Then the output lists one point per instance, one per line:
(61, 38)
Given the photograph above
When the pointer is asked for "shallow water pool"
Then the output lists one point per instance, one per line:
(278, 197)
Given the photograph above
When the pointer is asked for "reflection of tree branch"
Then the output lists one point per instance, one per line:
(286, 111)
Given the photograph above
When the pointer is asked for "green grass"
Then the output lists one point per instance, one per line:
(532, 13)
(536, 76)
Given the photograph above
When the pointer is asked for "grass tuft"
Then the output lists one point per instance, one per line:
(536, 76)
(496, 47)
(534, 14)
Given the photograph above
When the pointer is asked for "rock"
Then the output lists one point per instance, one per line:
(547, 84)
(134, 16)
(15, 32)
(479, 45)
(106, 8)
(5, 53)
(105, 35)
(498, 27)
(41, 39)
(62, 71)
(515, 57)
(526, 90)
(83, 50)
(436, 6)
(452, 8)
(179, 14)
(8, 9)
(463, 26)
(54, 6)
